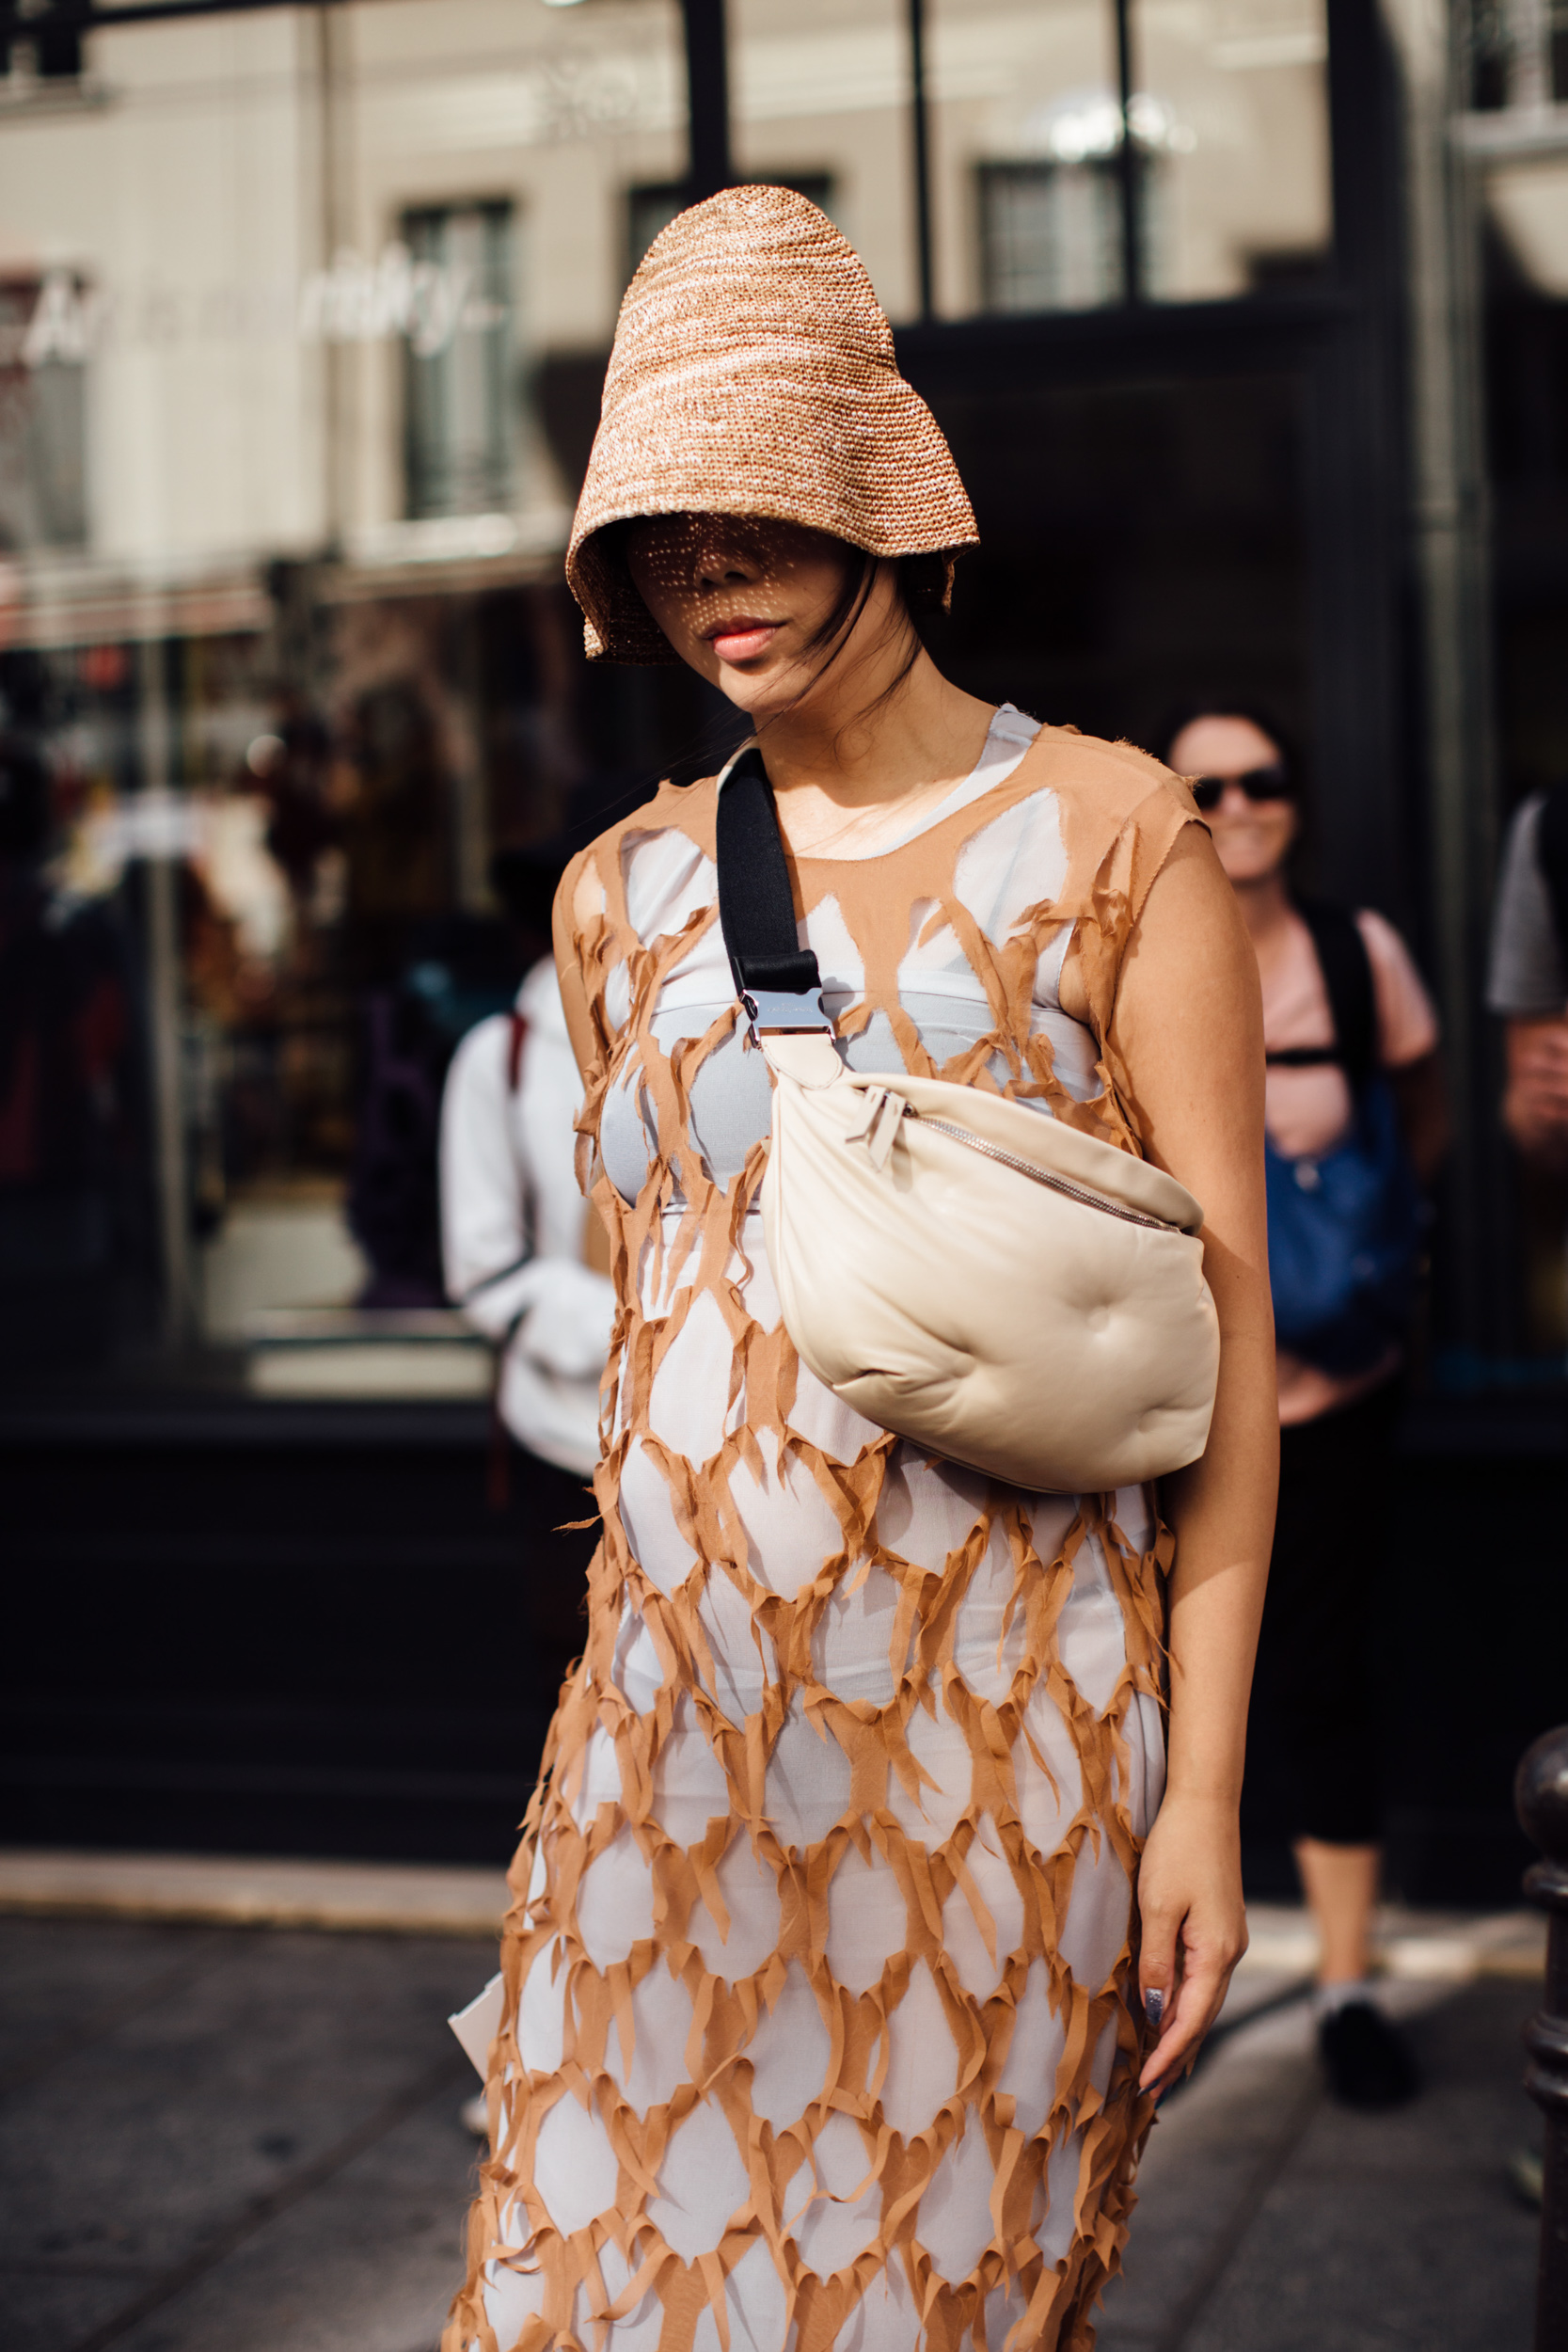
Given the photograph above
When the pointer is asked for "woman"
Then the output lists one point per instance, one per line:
(1315, 1691)
(826, 2002)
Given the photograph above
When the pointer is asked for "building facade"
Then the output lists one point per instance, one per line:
(1248, 322)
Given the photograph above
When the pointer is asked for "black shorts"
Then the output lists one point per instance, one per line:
(1314, 1735)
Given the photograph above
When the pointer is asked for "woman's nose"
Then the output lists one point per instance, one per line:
(720, 563)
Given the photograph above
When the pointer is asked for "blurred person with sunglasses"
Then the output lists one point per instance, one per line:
(1357, 1120)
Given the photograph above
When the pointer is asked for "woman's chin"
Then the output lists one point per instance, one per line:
(761, 691)
(1248, 860)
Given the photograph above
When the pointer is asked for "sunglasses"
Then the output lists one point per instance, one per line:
(1258, 784)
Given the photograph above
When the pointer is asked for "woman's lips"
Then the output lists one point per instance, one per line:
(743, 639)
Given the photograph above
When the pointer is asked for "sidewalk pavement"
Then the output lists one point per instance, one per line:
(217, 2133)
(1270, 2221)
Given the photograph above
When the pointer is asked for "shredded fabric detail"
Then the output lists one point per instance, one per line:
(818, 2034)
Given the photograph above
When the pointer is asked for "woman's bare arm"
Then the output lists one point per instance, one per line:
(1189, 1027)
(580, 1029)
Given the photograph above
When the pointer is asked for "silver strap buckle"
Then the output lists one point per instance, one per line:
(775, 1010)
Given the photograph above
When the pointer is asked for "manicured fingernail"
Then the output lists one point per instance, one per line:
(1154, 2007)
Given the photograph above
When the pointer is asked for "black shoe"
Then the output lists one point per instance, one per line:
(1367, 2060)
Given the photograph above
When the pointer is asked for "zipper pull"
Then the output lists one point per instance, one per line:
(883, 1112)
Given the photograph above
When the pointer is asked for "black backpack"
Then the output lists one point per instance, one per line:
(1347, 971)
(1344, 1230)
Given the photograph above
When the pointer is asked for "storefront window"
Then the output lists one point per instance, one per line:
(820, 101)
(1023, 130)
(303, 319)
(1227, 111)
(301, 323)
(1518, 83)
(1516, 54)
(42, 415)
(1049, 235)
(463, 414)
(1234, 124)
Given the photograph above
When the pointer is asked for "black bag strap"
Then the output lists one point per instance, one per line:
(756, 903)
(1551, 845)
(1347, 971)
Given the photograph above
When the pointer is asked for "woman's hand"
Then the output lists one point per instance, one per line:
(1193, 1926)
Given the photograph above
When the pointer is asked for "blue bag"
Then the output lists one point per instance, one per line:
(1345, 1230)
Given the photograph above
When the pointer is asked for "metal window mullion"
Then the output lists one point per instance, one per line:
(920, 146)
(707, 90)
(1127, 159)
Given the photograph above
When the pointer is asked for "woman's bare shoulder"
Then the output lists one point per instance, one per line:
(1116, 777)
(588, 887)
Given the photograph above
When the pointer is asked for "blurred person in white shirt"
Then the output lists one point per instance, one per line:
(525, 1261)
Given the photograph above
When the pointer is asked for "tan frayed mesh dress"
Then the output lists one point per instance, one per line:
(817, 2030)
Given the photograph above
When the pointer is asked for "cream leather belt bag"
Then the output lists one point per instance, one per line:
(962, 1270)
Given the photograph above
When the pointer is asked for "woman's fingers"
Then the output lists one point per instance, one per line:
(1192, 1929)
(1157, 1966)
(1198, 1997)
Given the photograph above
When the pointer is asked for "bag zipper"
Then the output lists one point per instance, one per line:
(1038, 1175)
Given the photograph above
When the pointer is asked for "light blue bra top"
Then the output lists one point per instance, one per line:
(731, 1094)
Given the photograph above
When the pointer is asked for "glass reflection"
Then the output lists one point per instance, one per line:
(1236, 132)
(303, 315)
(820, 98)
(1025, 128)
(1228, 124)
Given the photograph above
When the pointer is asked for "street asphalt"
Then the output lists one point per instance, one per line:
(242, 2139)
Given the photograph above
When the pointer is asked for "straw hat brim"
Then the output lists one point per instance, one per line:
(862, 460)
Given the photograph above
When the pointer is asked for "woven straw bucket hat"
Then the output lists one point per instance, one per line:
(754, 373)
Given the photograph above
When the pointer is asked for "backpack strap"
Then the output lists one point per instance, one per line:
(1551, 845)
(516, 1037)
(1347, 971)
(777, 979)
